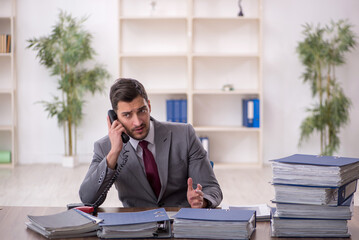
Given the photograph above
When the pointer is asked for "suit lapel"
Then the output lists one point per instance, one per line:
(162, 143)
(135, 168)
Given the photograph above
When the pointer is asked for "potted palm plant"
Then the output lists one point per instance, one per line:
(64, 52)
(321, 51)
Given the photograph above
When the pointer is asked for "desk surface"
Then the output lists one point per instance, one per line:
(12, 223)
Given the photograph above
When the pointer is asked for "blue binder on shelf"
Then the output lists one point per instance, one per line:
(251, 113)
(169, 108)
(205, 144)
(183, 107)
(176, 110)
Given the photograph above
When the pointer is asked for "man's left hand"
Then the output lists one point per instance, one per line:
(195, 196)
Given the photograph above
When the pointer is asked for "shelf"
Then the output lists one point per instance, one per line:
(2, 18)
(244, 19)
(149, 18)
(157, 72)
(6, 128)
(157, 36)
(166, 91)
(144, 9)
(226, 129)
(6, 165)
(226, 8)
(190, 50)
(221, 92)
(226, 37)
(152, 55)
(225, 55)
(6, 91)
(5, 54)
(8, 138)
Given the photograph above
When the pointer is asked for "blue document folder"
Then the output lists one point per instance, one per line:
(331, 196)
(176, 110)
(126, 218)
(233, 215)
(313, 170)
(170, 113)
(318, 160)
(250, 113)
(183, 107)
(214, 223)
(311, 211)
(146, 224)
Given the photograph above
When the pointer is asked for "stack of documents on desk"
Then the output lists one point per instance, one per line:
(146, 224)
(214, 223)
(313, 195)
(292, 210)
(263, 211)
(70, 224)
(300, 169)
(319, 195)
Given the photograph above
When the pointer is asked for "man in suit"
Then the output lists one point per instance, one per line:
(159, 165)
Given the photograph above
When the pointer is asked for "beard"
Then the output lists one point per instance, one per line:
(144, 128)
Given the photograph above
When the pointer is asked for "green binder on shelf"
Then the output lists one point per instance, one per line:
(5, 157)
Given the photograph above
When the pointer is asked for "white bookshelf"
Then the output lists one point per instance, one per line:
(189, 49)
(8, 85)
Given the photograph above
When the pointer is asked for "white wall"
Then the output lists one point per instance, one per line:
(285, 96)
(39, 138)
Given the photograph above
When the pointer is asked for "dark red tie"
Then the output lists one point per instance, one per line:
(151, 168)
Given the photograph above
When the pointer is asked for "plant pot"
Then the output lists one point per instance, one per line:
(69, 161)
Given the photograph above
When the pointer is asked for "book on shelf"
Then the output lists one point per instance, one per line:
(176, 110)
(250, 113)
(294, 210)
(319, 195)
(5, 43)
(301, 169)
(205, 144)
(5, 157)
(2, 43)
(214, 223)
(145, 224)
(263, 211)
(69, 224)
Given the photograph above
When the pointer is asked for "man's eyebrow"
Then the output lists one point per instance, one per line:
(138, 109)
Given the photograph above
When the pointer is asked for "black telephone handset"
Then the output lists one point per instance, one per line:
(113, 117)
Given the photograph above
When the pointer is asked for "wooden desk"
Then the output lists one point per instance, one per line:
(12, 223)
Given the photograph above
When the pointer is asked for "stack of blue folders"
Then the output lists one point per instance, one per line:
(313, 195)
(146, 224)
(214, 223)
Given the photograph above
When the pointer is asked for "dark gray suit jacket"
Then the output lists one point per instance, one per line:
(179, 155)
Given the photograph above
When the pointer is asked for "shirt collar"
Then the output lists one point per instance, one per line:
(150, 138)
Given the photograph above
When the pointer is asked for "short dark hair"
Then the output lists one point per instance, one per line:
(125, 90)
